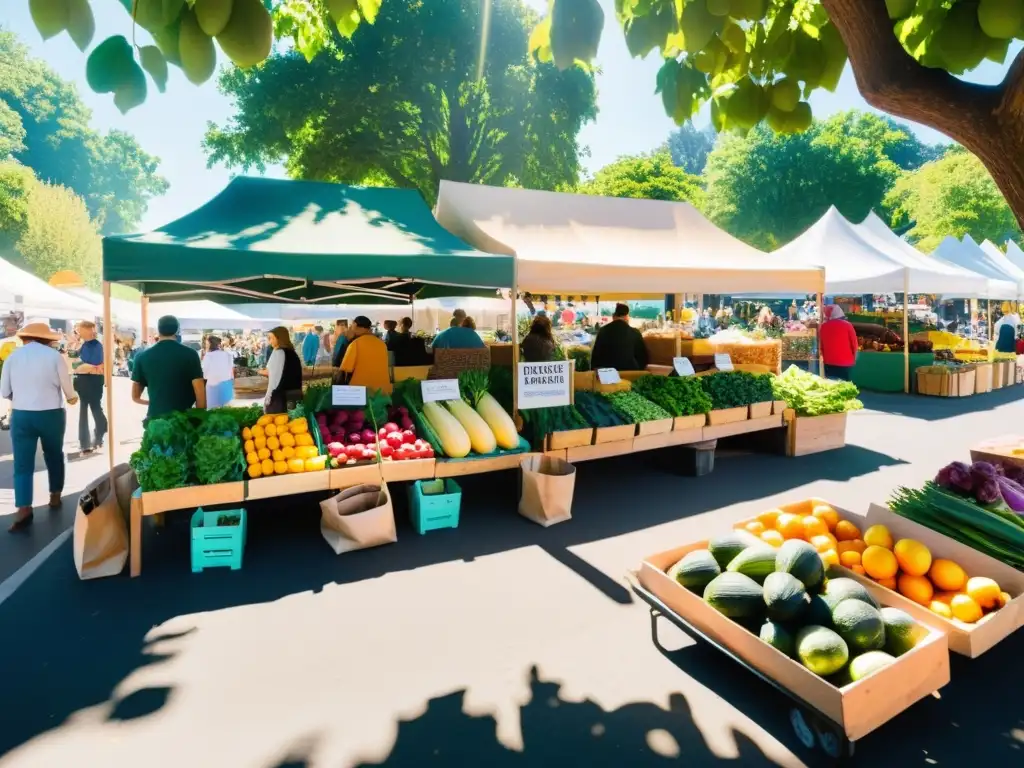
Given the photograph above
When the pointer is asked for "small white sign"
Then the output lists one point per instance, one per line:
(348, 396)
(722, 361)
(545, 385)
(683, 366)
(608, 376)
(434, 390)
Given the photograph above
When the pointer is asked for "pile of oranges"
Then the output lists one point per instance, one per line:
(905, 566)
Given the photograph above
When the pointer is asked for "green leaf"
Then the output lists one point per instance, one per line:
(131, 92)
(81, 23)
(155, 64)
(369, 9)
(110, 65)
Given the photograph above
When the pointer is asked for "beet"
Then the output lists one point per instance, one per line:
(369, 436)
(355, 439)
(408, 423)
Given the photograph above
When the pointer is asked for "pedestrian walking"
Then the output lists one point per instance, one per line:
(89, 386)
(36, 380)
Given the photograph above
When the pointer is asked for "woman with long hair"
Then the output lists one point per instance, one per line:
(219, 372)
(284, 371)
(539, 344)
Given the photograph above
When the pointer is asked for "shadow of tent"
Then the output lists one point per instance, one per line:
(557, 732)
(938, 408)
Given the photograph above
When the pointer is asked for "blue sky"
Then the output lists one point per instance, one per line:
(171, 125)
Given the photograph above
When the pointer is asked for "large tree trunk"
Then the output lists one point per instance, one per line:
(986, 119)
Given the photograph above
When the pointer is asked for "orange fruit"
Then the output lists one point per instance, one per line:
(878, 536)
(830, 557)
(249, 446)
(252, 458)
(768, 518)
(847, 531)
(270, 430)
(947, 575)
(944, 597)
(965, 608)
(255, 470)
(913, 556)
(823, 542)
(263, 420)
(268, 467)
(858, 569)
(790, 526)
(286, 439)
(288, 452)
(263, 453)
(814, 526)
(259, 441)
(984, 591)
(273, 443)
(852, 545)
(281, 419)
(280, 467)
(755, 527)
(889, 583)
(849, 558)
(246, 433)
(1004, 598)
(941, 609)
(917, 588)
(827, 514)
(277, 455)
(879, 563)
(257, 431)
(773, 537)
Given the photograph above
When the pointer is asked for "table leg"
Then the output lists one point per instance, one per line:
(136, 537)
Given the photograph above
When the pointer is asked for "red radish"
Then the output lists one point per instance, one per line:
(408, 436)
(369, 436)
(390, 427)
(399, 456)
(335, 449)
(354, 451)
(340, 417)
(395, 440)
(386, 450)
(355, 439)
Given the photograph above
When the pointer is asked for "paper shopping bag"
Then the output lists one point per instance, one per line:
(101, 524)
(358, 518)
(546, 489)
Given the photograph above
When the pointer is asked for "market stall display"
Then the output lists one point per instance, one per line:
(281, 445)
(819, 407)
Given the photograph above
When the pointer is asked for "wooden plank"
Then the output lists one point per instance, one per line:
(287, 485)
(570, 438)
(665, 439)
(656, 427)
(760, 410)
(614, 434)
(346, 477)
(155, 502)
(815, 434)
(558, 453)
(135, 528)
(727, 416)
(686, 423)
(449, 468)
(778, 406)
(599, 451)
(742, 427)
(415, 469)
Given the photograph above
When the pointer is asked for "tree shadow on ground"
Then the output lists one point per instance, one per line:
(928, 408)
(558, 732)
(973, 721)
(285, 555)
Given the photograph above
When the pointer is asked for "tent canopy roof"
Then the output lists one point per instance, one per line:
(602, 246)
(1000, 260)
(969, 255)
(37, 298)
(301, 241)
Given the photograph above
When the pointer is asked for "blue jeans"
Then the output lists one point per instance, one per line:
(28, 429)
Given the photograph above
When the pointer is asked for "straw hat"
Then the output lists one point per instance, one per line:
(38, 331)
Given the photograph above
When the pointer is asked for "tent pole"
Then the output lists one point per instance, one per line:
(515, 341)
(144, 305)
(821, 319)
(906, 331)
(988, 314)
(108, 374)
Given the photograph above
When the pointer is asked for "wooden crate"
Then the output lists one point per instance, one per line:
(686, 423)
(415, 469)
(727, 415)
(614, 434)
(155, 502)
(859, 708)
(570, 438)
(815, 434)
(598, 451)
(460, 468)
(778, 406)
(287, 485)
(1000, 450)
(742, 427)
(656, 427)
(983, 378)
(760, 410)
(346, 477)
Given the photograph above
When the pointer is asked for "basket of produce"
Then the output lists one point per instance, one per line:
(609, 425)
(682, 397)
(550, 429)
(834, 643)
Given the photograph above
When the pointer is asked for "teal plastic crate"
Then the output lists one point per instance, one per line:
(217, 546)
(429, 513)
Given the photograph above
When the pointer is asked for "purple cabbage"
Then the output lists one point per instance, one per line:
(956, 477)
(987, 492)
(1014, 473)
(1012, 493)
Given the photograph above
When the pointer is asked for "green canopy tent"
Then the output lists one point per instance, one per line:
(269, 240)
(303, 241)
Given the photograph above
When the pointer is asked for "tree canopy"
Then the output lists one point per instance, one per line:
(689, 147)
(413, 99)
(651, 177)
(45, 126)
(954, 195)
(767, 188)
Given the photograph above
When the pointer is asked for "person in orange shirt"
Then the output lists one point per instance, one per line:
(366, 359)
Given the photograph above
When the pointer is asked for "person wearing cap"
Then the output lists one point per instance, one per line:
(219, 372)
(89, 385)
(366, 359)
(619, 345)
(36, 380)
(170, 371)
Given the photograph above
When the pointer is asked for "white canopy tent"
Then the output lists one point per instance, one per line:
(23, 292)
(1015, 254)
(608, 247)
(999, 259)
(970, 256)
(191, 315)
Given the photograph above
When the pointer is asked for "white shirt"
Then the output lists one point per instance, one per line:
(34, 379)
(1011, 318)
(275, 370)
(218, 366)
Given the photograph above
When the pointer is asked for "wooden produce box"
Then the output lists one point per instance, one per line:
(1008, 449)
(570, 438)
(356, 474)
(815, 434)
(728, 415)
(155, 502)
(614, 434)
(967, 639)
(598, 451)
(287, 485)
(760, 410)
(858, 708)
(414, 469)
(983, 378)
(998, 375)
(583, 381)
(656, 427)
(685, 423)
(778, 406)
(460, 468)
(952, 384)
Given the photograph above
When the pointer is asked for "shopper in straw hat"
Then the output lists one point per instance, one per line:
(36, 380)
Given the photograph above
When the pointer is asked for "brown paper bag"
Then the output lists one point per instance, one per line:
(358, 518)
(101, 524)
(546, 489)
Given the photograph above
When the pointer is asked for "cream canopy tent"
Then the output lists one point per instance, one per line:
(930, 275)
(608, 247)
(1013, 272)
(970, 256)
(24, 292)
(1015, 254)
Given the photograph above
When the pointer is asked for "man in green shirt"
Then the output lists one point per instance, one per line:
(170, 371)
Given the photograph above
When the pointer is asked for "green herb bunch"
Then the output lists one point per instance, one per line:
(679, 395)
(811, 395)
(735, 389)
(636, 408)
(162, 461)
(540, 422)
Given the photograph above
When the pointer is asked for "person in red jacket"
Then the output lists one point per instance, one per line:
(838, 342)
